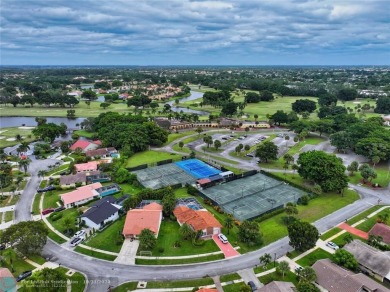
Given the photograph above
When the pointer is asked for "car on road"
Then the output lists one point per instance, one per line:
(252, 285)
(23, 276)
(59, 209)
(76, 241)
(48, 211)
(79, 234)
(332, 245)
(46, 189)
(223, 238)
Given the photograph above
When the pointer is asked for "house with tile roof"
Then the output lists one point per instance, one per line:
(199, 220)
(85, 145)
(87, 167)
(371, 260)
(101, 213)
(278, 286)
(382, 230)
(101, 152)
(149, 217)
(81, 195)
(334, 278)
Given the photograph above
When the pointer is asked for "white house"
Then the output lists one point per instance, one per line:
(101, 213)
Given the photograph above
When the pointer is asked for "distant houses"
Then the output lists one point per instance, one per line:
(85, 145)
(90, 166)
(382, 230)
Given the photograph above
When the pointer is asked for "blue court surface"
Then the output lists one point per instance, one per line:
(197, 168)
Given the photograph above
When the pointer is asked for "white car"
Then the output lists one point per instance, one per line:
(79, 234)
(223, 238)
(332, 245)
(76, 241)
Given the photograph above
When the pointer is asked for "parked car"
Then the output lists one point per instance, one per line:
(76, 241)
(223, 238)
(2, 246)
(59, 209)
(23, 276)
(252, 285)
(47, 211)
(250, 155)
(332, 245)
(298, 270)
(79, 234)
(46, 189)
(224, 138)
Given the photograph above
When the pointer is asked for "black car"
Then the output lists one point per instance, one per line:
(23, 276)
(46, 189)
(252, 285)
(59, 209)
(2, 246)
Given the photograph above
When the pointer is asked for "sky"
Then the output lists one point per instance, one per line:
(183, 32)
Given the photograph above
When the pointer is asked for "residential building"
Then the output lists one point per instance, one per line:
(85, 145)
(87, 167)
(149, 217)
(278, 286)
(382, 230)
(81, 195)
(101, 152)
(371, 260)
(334, 278)
(259, 124)
(200, 220)
(7, 281)
(101, 212)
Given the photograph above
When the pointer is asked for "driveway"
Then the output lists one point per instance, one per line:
(227, 249)
(248, 275)
(128, 252)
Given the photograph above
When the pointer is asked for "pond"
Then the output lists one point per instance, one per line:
(194, 95)
(6, 122)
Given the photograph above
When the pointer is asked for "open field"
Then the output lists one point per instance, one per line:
(311, 258)
(150, 156)
(95, 254)
(14, 263)
(10, 133)
(84, 133)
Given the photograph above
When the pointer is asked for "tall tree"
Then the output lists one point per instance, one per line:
(303, 236)
(186, 231)
(283, 268)
(229, 223)
(307, 274)
(346, 259)
(53, 279)
(265, 259)
(267, 151)
(147, 239)
(217, 144)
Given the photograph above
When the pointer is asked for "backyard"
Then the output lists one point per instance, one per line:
(150, 156)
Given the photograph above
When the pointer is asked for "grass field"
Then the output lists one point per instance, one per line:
(311, 258)
(60, 223)
(10, 133)
(9, 216)
(383, 175)
(363, 215)
(180, 261)
(330, 233)
(78, 280)
(95, 254)
(107, 239)
(370, 222)
(35, 206)
(174, 136)
(84, 133)
(150, 156)
(14, 263)
(288, 277)
(169, 234)
(56, 237)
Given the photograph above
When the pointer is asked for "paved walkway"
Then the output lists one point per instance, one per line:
(353, 230)
(227, 249)
(217, 283)
(128, 252)
(249, 275)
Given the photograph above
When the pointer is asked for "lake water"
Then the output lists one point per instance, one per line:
(194, 95)
(6, 122)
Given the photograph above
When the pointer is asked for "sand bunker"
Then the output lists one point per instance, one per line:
(3, 131)
(26, 128)
(10, 139)
(2, 137)
(356, 102)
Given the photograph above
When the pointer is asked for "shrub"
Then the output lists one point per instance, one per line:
(161, 250)
(304, 200)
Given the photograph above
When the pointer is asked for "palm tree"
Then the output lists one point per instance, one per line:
(229, 223)
(41, 173)
(375, 160)
(18, 138)
(24, 146)
(287, 137)
(24, 164)
(308, 274)
(265, 259)
(186, 231)
(283, 268)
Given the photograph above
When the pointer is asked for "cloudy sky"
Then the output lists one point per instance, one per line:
(183, 32)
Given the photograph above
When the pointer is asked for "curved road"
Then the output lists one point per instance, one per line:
(103, 274)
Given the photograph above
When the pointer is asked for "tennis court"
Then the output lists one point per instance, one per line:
(163, 176)
(197, 168)
(252, 196)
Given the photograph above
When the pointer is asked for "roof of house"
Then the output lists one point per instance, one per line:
(153, 206)
(73, 178)
(139, 219)
(334, 278)
(370, 257)
(100, 152)
(278, 286)
(207, 290)
(4, 272)
(91, 165)
(199, 220)
(108, 199)
(381, 230)
(81, 193)
(82, 144)
(203, 181)
(98, 142)
(99, 213)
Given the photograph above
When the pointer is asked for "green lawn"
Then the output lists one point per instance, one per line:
(229, 277)
(169, 234)
(95, 254)
(58, 169)
(78, 280)
(37, 259)
(35, 208)
(150, 156)
(56, 237)
(84, 133)
(130, 286)
(330, 233)
(107, 239)
(288, 277)
(10, 133)
(370, 222)
(180, 261)
(363, 215)
(71, 213)
(18, 264)
(50, 199)
(383, 175)
(340, 239)
(175, 136)
(9, 215)
(8, 200)
(234, 287)
(311, 258)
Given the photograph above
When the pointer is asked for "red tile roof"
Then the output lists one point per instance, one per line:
(81, 193)
(91, 165)
(381, 230)
(203, 181)
(199, 220)
(82, 144)
(139, 219)
(153, 206)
